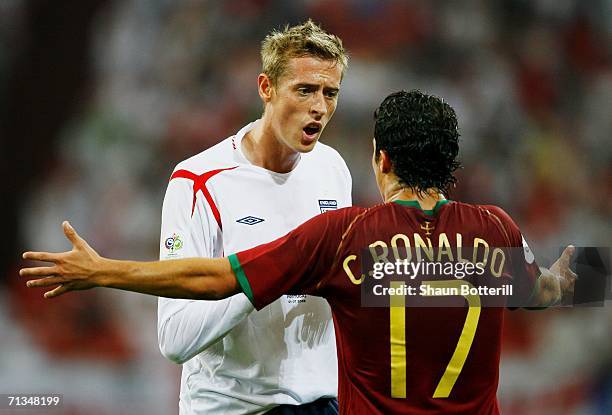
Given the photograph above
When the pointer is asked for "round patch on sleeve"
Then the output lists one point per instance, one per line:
(529, 257)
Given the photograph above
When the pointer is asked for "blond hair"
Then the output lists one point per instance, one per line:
(307, 39)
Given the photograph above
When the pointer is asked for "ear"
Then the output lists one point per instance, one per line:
(384, 162)
(264, 87)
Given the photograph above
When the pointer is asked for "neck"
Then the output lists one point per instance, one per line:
(426, 199)
(262, 148)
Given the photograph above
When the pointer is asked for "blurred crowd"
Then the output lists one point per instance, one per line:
(531, 81)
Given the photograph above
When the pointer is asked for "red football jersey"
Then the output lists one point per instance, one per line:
(396, 359)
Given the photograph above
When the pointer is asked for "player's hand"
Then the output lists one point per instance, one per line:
(549, 289)
(71, 271)
(561, 268)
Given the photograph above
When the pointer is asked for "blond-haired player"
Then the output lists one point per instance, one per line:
(249, 189)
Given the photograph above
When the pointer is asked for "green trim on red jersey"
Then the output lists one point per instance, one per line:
(416, 204)
(241, 277)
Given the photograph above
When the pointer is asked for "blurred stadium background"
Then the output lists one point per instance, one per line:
(100, 99)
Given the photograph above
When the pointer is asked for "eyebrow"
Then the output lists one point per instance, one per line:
(312, 85)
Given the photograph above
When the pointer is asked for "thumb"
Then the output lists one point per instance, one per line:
(567, 253)
(562, 266)
(71, 234)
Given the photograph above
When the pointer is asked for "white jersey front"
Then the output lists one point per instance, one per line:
(237, 360)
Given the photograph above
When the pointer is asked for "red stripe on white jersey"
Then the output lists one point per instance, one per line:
(199, 184)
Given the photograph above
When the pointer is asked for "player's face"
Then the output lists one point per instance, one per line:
(303, 101)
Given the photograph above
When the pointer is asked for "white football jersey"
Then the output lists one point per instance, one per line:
(237, 360)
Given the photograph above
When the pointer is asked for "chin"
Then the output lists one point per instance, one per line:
(306, 148)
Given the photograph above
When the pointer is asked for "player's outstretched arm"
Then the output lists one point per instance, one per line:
(82, 268)
(556, 284)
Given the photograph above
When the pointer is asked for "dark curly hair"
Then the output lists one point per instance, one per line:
(419, 133)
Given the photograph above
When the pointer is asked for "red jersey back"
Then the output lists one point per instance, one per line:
(398, 359)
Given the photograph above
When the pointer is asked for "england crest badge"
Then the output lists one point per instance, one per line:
(327, 204)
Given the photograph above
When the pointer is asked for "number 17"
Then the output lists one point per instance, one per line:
(398, 341)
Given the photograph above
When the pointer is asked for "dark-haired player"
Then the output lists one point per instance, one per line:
(392, 360)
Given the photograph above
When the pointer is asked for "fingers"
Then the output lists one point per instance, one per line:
(41, 256)
(49, 281)
(564, 262)
(45, 282)
(57, 291)
(562, 265)
(63, 285)
(566, 256)
(71, 234)
(38, 271)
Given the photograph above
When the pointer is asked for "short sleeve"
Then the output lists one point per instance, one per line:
(297, 263)
(523, 267)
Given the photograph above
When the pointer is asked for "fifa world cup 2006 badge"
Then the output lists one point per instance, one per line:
(173, 243)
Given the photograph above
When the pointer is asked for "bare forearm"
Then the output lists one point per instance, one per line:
(192, 278)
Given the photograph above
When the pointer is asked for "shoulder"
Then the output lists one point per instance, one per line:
(483, 212)
(323, 152)
(501, 218)
(326, 151)
(497, 213)
(490, 219)
(221, 155)
(347, 213)
(325, 158)
(357, 217)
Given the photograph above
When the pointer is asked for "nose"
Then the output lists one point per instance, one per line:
(318, 107)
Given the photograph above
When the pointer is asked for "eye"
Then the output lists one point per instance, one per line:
(303, 91)
(331, 94)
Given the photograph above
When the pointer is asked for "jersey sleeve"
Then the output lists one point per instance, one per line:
(523, 268)
(189, 229)
(297, 263)
(186, 230)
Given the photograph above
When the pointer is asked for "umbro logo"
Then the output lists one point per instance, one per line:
(250, 220)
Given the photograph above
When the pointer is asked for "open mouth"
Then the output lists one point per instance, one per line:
(312, 129)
